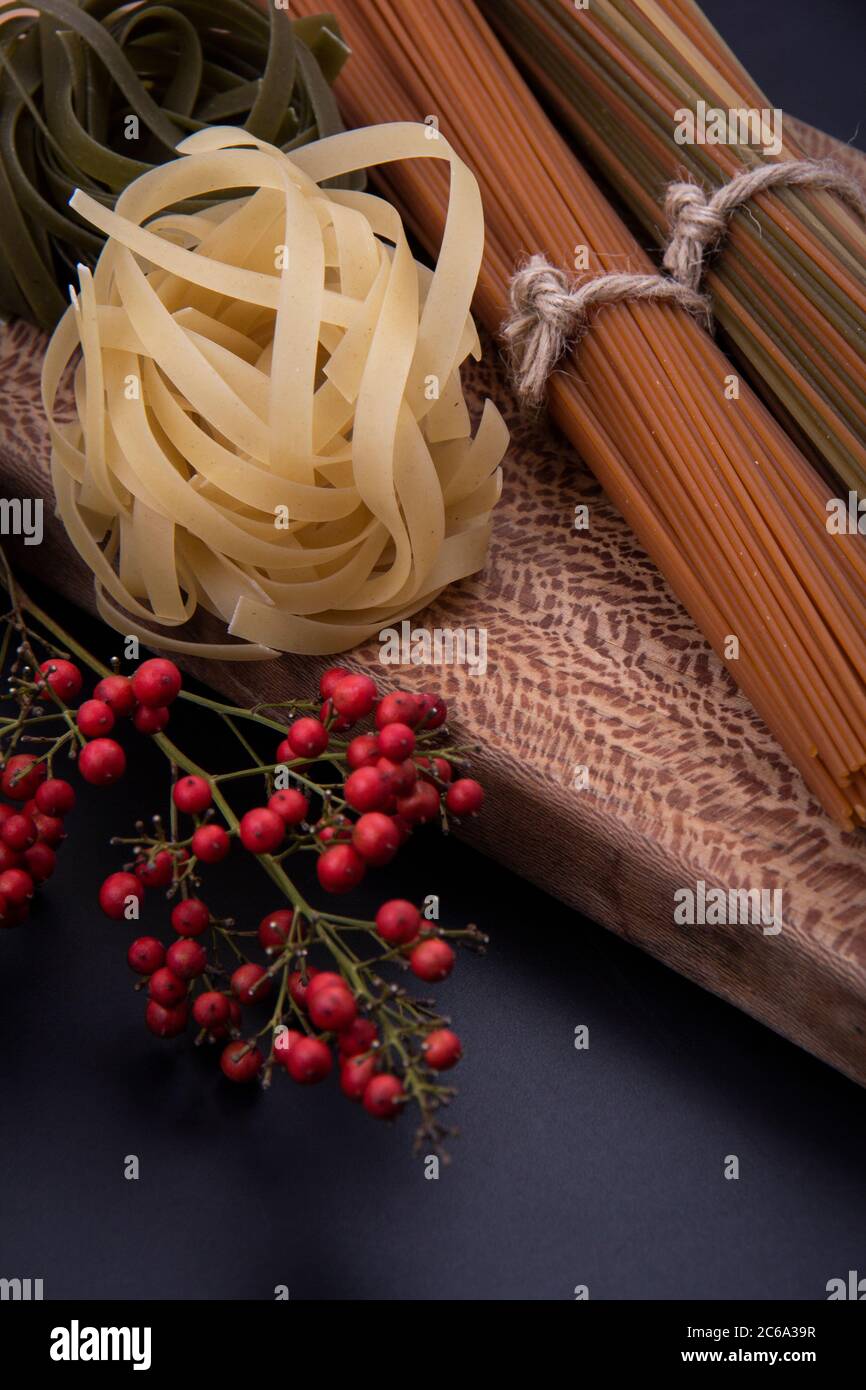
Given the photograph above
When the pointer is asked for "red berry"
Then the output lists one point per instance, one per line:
(245, 983)
(399, 777)
(376, 838)
(102, 762)
(340, 831)
(298, 989)
(240, 1061)
(330, 678)
(211, 1010)
(355, 1074)
(285, 752)
(157, 872)
(22, 777)
(49, 829)
(64, 678)
(18, 832)
(442, 1049)
(166, 1023)
(432, 959)
(434, 711)
(210, 843)
(366, 789)
(396, 741)
(308, 1061)
(358, 1037)
(464, 797)
(233, 1022)
(362, 751)
(421, 805)
(332, 1009)
(383, 1096)
(336, 722)
(284, 1039)
(191, 795)
(430, 769)
(188, 959)
(40, 861)
(307, 738)
(423, 705)
(323, 979)
(115, 893)
(290, 805)
(404, 829)
(118, 694)
(261, 830)
(166, 988)
(156, 682)
(9, 858)
(150, 720)
(55, 797)
(340, 869)
(400, 707)
(354, 696)
(146, 955)
(398, 922)
(274, 929)
(190, 917)
(94, 718)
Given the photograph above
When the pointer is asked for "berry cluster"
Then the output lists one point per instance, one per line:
(31, 831)
(350, 801)
(44, 694)
(308, 990)
(394, 781)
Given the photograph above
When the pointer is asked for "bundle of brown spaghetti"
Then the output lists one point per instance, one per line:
(635, 80)
(730, 511)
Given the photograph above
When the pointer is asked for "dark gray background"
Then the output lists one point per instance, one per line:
(603, 1168)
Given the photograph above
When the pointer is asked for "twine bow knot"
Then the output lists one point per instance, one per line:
(697, 224)
(550, 313)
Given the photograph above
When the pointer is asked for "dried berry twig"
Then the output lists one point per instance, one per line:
(348, 800)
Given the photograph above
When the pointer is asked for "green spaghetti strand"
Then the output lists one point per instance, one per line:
(94, 93)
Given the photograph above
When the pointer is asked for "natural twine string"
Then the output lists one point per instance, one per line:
(698, 223)
(550, 312)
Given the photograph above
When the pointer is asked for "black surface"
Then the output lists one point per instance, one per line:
(807, 58)
(602, 1167)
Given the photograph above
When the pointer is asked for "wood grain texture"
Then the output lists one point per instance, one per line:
(592, 662)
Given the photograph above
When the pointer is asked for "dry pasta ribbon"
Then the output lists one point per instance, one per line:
(269, 417)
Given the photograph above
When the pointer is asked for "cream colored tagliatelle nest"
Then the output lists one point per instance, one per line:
(270, 419)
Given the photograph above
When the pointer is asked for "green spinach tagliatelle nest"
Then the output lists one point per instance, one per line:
(94, 93)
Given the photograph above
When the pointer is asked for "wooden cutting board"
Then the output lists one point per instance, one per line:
(592, 664)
